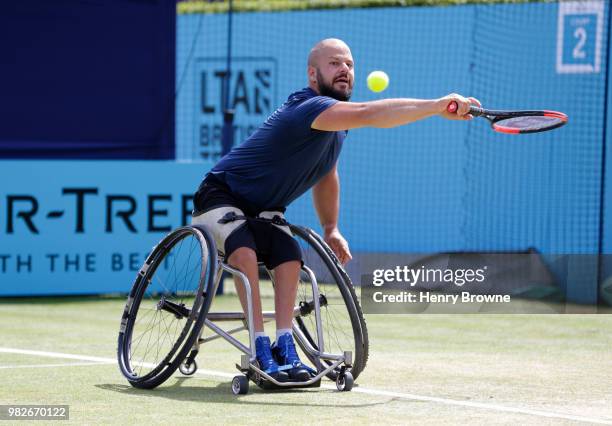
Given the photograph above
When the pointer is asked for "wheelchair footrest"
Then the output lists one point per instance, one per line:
(267, 385)
(263, 383)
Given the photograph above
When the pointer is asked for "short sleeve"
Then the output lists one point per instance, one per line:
(309, 110)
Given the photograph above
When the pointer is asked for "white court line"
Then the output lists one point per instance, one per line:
(359, 389)
(99, 360)
(485, 406)
(66, 364)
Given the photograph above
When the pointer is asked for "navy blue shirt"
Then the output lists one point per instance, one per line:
(284, 157)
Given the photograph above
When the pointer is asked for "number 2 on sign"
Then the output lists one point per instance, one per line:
(581, 35)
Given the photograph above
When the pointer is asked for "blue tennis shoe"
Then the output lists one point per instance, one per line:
(287, 359)
(265, 359)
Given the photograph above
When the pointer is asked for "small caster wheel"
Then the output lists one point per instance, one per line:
(344, 382)
(240, 385)
(188, 369)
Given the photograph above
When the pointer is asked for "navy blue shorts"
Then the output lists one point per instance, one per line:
(272, 243)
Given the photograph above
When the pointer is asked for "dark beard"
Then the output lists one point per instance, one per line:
(327, 90)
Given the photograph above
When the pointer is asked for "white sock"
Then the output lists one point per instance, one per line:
(281, 331)
(260, 334)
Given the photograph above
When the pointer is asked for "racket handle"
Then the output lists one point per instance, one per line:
(474, 110)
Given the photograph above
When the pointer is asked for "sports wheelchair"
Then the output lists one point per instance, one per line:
(169, 306)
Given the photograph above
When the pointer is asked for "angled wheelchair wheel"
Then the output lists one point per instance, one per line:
(343, 325)
(167, 306)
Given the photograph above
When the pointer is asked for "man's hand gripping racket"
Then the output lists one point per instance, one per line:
(516, 122)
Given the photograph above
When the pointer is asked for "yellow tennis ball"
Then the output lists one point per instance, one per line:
(378, 81)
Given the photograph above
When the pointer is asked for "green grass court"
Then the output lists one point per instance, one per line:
(442, 369)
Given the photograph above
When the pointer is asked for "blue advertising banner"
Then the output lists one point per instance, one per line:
(81, 227)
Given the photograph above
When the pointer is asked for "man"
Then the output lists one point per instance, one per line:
(295, 149)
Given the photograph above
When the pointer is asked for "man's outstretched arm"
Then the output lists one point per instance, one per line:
(390, 112)
(326, 197)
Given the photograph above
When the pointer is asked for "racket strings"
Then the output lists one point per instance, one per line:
(529, 124)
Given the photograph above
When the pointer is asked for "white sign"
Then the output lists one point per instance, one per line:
(579, 34)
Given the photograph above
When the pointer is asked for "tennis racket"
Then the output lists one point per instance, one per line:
(517, 122)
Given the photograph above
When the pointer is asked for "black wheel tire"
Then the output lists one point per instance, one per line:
(188, 370)
(322, 254)
(240, 385)
(345, 381)
(202, 293)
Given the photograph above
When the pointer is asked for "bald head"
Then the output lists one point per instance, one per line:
(330, 69)
(324, 48)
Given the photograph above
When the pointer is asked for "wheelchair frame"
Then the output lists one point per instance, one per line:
(248, 364)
